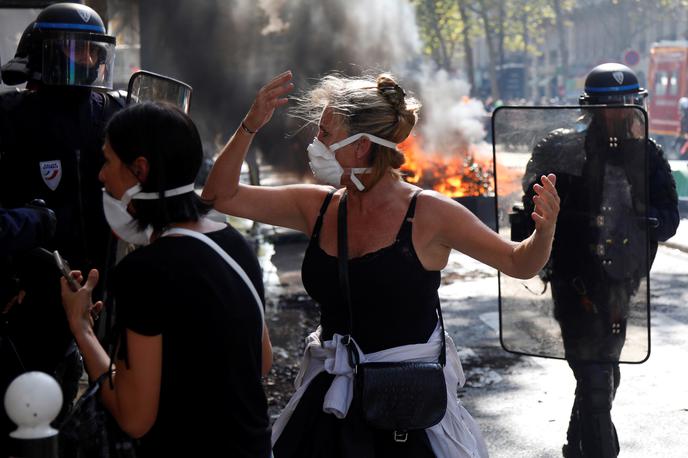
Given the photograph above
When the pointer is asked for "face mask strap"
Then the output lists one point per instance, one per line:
(353, 138)
(354, 179)
(129, 193)
(169, 193)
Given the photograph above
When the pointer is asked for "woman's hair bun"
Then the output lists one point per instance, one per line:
(391, 91)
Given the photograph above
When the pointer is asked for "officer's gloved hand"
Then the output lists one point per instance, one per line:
(47, 217)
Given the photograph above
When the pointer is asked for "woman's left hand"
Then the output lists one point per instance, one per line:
(546, 200)
(78, 305)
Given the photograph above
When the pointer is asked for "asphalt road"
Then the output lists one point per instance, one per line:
(523, 403)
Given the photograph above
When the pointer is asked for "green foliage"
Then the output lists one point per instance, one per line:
(524, 23)
(440, 29)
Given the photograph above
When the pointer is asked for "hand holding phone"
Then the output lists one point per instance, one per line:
(65, 269)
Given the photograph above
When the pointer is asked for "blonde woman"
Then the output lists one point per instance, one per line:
(399, 239)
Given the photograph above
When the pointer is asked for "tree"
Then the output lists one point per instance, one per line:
(561, 8)
(467, 25)
(485, 10)
(439, 25)
(449, 28)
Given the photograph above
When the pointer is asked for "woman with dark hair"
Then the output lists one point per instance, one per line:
(193, 343)
(399, 239)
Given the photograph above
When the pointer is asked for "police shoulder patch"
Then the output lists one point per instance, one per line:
(51, 172)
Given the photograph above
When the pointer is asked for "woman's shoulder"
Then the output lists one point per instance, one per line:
(141, 258)
(315, 199)
(315, 195)
(431, 201)
(438, 212)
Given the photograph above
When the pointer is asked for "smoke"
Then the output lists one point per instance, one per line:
(272, 8)
(227, 49)
(450, 119)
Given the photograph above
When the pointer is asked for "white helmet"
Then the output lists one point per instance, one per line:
(683, 103)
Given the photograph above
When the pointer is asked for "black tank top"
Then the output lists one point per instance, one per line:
(393, 297)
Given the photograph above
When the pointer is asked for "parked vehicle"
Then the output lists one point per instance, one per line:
(667, 83)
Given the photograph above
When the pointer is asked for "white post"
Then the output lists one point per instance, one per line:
(32, 401)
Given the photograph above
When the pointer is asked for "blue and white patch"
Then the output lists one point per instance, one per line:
(619, 77)
(51, 172)
(85, 14)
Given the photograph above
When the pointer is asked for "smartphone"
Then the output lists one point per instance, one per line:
(65, 269)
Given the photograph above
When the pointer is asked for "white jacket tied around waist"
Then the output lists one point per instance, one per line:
(455, 436)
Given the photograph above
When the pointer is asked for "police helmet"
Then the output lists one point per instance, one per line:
(612, 84)
(683, 103)
(76, 50)
(26, 64)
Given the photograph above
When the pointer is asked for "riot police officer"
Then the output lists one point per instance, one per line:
(24, 228)
(599, 253)
(51, 137)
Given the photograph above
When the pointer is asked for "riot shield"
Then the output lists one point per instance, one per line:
(591, 301)
(147, 86)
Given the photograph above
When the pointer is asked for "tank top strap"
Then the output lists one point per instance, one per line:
(407, 224)
(319, 221)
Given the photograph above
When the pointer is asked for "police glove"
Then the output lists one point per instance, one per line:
(47, 217)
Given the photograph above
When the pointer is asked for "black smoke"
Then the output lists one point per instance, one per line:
(227, 49)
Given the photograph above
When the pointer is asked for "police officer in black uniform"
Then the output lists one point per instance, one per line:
(51, 135)
(599, 251)
(25, 228)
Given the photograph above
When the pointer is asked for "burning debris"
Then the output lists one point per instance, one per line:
(458, 175)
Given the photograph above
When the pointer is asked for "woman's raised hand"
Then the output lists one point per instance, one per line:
(269, 97)
(546, 200)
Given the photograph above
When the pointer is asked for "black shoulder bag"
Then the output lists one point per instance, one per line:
(394, 396)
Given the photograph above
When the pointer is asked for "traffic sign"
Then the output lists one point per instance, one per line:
(631, 57)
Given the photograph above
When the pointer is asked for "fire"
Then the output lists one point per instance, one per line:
(454, 176)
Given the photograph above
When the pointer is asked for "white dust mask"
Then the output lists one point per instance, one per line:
(123, 223)
(325, 166)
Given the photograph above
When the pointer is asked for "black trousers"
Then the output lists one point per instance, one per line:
(591, 432)
(592, 317)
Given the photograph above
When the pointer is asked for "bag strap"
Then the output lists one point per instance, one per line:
(228, 259)
(343, 261)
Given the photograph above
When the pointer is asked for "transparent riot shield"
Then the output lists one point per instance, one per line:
(147, 86)
(591, 301)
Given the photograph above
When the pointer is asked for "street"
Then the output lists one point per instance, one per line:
(521, 403)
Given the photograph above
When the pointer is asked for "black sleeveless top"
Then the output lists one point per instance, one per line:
(393, 297)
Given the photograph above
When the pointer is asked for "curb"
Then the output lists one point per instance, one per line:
(677, 246)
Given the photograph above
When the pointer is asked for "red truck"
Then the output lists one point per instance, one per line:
(667, 82)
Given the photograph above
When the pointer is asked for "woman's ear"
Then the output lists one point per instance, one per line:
(141, 168)
(362, 147)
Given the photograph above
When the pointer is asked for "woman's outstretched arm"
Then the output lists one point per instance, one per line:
(457, 228)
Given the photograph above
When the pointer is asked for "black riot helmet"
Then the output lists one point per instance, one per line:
(26, 64)
(76, 50)
(612, 84)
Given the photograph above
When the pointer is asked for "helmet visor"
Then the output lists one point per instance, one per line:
(147, 86)
(79, 59)
(636, 98)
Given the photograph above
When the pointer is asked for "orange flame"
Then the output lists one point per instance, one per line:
(454, 176)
